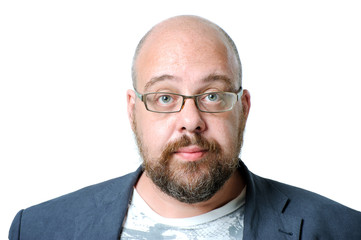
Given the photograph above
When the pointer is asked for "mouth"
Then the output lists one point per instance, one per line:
(190, 153)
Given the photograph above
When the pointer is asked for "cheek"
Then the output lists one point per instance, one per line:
(154, 132)
(226, 131)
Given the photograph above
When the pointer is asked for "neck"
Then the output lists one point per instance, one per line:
(170, 207)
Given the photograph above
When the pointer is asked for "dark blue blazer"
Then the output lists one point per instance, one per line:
(273, 211)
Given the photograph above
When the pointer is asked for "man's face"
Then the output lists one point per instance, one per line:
(190, 154)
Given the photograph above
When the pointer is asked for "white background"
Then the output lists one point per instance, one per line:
(65, 68)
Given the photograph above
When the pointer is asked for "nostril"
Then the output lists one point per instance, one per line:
(198, 128)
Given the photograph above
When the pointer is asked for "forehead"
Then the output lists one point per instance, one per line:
(188, 57)
(212, 80)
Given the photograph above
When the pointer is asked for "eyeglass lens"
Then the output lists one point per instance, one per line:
(208, 102)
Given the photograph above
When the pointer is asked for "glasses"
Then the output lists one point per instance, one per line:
(210, 102)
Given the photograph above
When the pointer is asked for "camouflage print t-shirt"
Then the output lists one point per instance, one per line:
(223, 223)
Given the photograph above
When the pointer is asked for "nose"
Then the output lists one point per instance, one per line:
(190, 119)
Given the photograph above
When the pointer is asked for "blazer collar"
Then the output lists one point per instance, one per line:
(105, 220)
(266, 210)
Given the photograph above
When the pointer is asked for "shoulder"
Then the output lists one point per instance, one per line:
(66, 211)
(291, 198)
(319, 214)
(86, 197)
(309, 202)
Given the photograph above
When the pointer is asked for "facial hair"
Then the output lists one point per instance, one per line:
(195, 181)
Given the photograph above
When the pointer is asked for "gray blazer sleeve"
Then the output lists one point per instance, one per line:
(14, 233)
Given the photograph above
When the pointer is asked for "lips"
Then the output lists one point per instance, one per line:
(190, 153)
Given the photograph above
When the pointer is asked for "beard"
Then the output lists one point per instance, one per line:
(194, 181)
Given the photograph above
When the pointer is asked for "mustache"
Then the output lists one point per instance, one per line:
(185, 141)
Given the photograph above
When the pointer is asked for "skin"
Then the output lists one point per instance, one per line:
(181, 55)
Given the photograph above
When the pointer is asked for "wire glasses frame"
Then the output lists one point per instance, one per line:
(228, 101)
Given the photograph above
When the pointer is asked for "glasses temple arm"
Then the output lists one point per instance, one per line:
(239, 94)
(140, 96)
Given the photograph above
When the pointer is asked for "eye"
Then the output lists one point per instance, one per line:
(212, 97)
(165, 99)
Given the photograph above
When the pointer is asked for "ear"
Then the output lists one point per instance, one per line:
(246, 102)
(131, 106)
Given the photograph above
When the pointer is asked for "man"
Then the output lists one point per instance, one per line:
(188, 111)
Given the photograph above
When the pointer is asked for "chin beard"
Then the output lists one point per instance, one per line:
(191, 182)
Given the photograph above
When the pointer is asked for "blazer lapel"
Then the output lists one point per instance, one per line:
(265, 216)
(105, 219)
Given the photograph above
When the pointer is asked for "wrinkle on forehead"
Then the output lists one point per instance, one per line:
(207, 79)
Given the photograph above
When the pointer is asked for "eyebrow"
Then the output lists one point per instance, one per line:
(218, 77)
(207, 79)
(155, 80)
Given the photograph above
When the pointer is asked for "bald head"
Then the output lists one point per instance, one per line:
(191, 31)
